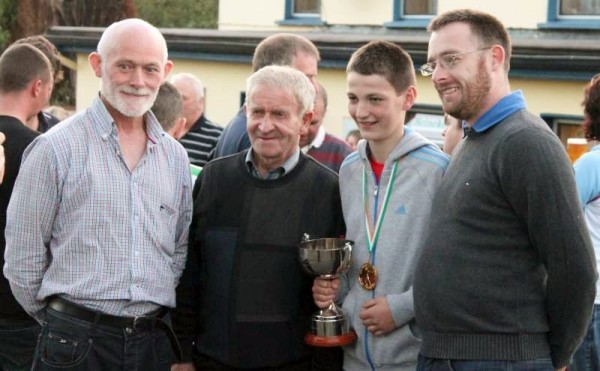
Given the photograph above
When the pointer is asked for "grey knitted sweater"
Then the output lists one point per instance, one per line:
(507, 271)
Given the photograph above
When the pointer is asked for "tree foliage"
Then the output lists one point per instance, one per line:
(180, 13)
(8, 9)
(92, 13)
(22, 18)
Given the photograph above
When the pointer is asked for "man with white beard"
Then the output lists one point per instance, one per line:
(98, 223)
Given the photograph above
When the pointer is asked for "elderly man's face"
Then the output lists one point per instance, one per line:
(131, 75)
(193, 106)
(273, 124)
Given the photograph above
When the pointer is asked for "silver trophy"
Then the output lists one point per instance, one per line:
(327, 258)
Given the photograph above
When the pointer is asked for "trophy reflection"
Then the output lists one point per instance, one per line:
(327, 258)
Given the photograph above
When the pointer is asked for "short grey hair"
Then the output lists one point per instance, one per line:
(287, 78)
(192, 79)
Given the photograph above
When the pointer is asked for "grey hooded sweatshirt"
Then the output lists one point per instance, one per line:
(420, 169)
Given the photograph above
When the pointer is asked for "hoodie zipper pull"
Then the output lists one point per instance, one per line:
(376, 191)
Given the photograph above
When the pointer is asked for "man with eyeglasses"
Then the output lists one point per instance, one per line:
(506, 279)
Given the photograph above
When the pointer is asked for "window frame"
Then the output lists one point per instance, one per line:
(399, 20)
(556, 21)
(295, 19)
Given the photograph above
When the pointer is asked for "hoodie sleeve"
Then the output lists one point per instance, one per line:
(402, 308)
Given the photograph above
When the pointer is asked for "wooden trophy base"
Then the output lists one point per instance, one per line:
(330, 341)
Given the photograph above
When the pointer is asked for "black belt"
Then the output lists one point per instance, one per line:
(142, 323)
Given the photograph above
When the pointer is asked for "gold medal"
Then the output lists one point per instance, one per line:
(367, 277)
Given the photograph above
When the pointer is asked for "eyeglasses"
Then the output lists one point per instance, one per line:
(447, 62)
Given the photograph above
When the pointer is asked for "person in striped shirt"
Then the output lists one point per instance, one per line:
(200, 134)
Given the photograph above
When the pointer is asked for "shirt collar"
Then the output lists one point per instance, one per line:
(106, 124)
(317, 142)
(320, 138)
(276, 173)
(505, 107)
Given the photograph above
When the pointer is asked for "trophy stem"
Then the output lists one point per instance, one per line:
(330, 328)
(332, 310)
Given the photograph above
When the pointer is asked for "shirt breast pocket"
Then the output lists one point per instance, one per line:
(167, 211)
(168, 225)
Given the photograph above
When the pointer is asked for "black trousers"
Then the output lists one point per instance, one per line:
(69, 343)
(324, 359)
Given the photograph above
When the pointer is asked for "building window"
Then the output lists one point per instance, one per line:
(579, 8)
(309, 8)
(565, 126)
(412, 13)
(302, 13)
(427, 120)
(413, 8)
(573, 14)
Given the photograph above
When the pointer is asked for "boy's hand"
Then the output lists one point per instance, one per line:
(325, 291)
(376, 316)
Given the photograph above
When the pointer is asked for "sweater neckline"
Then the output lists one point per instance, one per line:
(267, 183)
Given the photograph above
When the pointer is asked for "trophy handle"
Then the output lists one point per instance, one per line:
(305, 237)
(348, 245)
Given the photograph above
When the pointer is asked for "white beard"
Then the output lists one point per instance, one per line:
(130, 107)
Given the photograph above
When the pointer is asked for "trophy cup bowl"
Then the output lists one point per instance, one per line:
(327, 258)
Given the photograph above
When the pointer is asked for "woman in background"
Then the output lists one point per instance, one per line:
(587, 175)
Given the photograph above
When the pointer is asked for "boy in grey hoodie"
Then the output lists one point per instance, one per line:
(386, 186)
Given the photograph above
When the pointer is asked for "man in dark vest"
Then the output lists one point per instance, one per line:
(243, 301)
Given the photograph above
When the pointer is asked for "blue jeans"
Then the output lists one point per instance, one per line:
(434, 364)
(587, 357)
(68, 343)
(17, 344)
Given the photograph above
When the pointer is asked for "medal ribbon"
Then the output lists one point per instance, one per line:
(374, 229)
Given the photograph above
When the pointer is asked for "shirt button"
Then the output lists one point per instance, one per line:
(128, 330)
